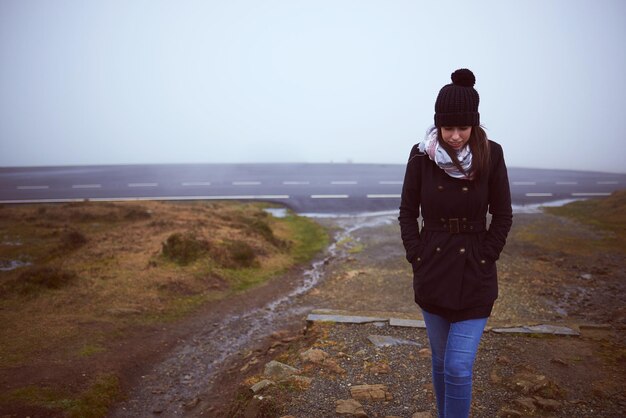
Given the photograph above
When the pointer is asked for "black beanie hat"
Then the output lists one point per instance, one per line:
(457, 103)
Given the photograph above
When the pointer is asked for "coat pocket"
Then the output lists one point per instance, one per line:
(485, 266)
(418, 261)
(425, 256)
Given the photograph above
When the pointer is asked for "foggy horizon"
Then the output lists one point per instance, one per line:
(191, 82)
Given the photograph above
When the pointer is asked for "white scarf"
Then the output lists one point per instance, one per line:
(440, 156)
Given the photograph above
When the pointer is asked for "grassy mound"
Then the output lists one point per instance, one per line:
(237, 254)
(36, 278)
(184, 248)
(72, 240)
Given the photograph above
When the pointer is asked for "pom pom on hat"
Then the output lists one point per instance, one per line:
(457, 103)
(463, 77)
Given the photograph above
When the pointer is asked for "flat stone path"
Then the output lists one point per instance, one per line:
(399, 320)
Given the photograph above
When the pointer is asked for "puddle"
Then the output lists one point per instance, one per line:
(572, 296)
(276, 212)
(536, 207)
(374, 219)
(12, 264)
(11, 243)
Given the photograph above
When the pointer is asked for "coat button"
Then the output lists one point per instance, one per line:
(419, 259)
(462, 251)
(440, 188)
(438, 250)
(465, 189)
(482, 262)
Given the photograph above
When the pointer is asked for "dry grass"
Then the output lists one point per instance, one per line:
(579, 227)
(99, 268)
(607, 214)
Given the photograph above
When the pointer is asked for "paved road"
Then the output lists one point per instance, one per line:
(320, 188)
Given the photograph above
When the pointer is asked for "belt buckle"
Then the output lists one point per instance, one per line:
(453, 225)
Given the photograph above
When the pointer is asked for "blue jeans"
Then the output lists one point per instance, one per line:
(453, 346)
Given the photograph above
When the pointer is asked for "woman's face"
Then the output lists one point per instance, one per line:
(456, 136)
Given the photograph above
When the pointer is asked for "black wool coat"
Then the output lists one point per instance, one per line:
(454, 273)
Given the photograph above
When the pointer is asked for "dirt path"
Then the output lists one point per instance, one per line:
(182, 377)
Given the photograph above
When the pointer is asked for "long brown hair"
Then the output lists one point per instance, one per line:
(479, 145)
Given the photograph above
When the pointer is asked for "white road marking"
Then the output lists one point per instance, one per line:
(389, 182)
(246, 183)
(590, 194)
(238, 197)
(538, 194)
(32, 187)
(383, 196)
(329, 196)
(344, 182)
(143, 184)
(124, 199)
(563, 183)
(524, 183)
(196, 183)
(607, 182)
(86, 186)
(295, 182)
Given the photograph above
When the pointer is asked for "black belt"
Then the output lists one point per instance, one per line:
(454, 225)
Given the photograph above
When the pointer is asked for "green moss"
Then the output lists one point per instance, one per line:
(357, 248)
(96, 401)
(44, 397)
(92, 403)
(182, 306)
(350, 245)
(246, 278)
(90, 350)
(345, 241)
(308, 238)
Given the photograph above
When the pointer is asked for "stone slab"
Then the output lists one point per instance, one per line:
(389, 341)
(350, 319)
(537, 329)
(595, 326)
(412, 323)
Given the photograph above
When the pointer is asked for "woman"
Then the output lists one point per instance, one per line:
(452, 179)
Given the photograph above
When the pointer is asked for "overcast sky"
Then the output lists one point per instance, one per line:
(154, 81)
